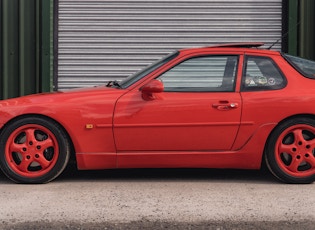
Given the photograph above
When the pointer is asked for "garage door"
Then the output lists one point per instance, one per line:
(103, 40)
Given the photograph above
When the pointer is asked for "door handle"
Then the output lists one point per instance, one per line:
(225, 105)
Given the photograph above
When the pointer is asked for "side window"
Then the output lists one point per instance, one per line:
(261, 73)
(202, 74)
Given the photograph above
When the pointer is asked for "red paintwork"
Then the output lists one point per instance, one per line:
(32, 148)
(123, 128)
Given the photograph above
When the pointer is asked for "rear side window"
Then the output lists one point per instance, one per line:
(261, 73)
(304, 66)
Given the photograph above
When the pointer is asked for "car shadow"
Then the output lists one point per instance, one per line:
(178, 174)
(72, 174)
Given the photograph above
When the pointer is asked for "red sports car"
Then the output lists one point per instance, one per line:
(226, 106)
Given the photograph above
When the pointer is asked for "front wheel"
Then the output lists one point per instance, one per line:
(290, 151)
(33, 150)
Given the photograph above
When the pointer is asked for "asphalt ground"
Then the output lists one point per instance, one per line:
(158, 199)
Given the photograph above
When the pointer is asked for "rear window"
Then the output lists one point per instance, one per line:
(304, 66)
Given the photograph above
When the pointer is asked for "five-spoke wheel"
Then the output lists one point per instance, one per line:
(35, 150)
(290, 152)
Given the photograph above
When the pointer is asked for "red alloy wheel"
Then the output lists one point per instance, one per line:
(295, 150)
(31, 150)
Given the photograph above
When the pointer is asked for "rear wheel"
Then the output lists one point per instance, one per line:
(290, 151)
(33, 150)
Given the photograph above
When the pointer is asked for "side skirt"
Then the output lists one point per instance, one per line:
(188, 160)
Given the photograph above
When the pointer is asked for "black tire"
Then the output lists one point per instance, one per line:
(290, 151)
(33, 150)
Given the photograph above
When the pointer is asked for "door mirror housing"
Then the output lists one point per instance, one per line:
(149, 89)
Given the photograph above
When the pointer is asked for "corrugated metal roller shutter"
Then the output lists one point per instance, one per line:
(102, 40)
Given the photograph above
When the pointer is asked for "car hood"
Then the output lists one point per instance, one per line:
(62, 96)
(87, 102)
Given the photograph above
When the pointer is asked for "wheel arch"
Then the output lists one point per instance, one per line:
(305, 115)
(72, 148)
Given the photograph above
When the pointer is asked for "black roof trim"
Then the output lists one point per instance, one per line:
(240, 45)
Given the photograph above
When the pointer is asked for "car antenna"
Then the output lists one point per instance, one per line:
(284, 35)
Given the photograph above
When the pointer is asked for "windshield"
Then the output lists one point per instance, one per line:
(304, 66)
(137, 76)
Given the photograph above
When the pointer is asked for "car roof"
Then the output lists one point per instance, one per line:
(239, 45)
(236, 47)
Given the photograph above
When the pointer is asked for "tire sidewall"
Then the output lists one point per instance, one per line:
(63, 155)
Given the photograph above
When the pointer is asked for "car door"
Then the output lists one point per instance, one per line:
(198, 110)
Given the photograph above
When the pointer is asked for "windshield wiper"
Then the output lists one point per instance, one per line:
(113, 83)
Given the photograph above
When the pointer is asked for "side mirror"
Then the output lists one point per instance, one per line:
(148, 90)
